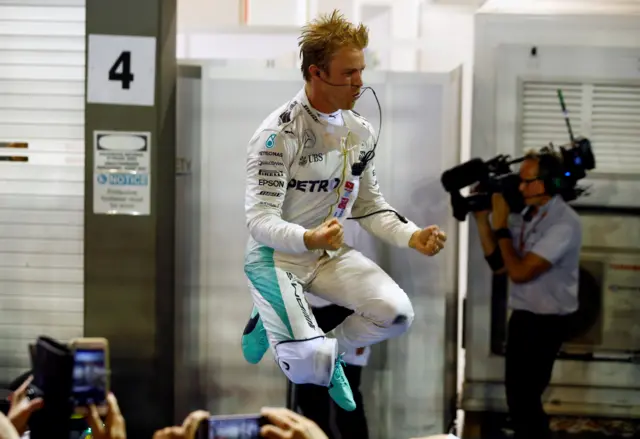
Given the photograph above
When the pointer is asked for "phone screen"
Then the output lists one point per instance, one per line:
(89, 377)
(235, 427)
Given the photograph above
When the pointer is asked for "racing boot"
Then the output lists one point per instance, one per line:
(340, 389)
(254, 339)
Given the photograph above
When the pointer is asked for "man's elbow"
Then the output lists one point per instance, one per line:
(255, 225)
(523, 275)
(517, 279)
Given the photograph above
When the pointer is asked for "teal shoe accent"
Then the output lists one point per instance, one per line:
(254, 339)
(340, 389)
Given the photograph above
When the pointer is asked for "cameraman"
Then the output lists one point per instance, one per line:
(539, 251)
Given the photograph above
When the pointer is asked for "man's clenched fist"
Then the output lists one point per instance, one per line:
(428, 241)
(327, 236)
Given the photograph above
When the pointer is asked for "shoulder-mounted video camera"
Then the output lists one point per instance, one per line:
(559, 170)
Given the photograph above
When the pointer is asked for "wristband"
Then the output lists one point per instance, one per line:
(503, 233)
(495, 260)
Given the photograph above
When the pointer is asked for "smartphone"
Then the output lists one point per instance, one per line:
(231, 427)
(90, 383)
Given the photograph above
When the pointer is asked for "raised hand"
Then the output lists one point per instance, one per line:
(22, 408)
(428, 241)
(327, 236)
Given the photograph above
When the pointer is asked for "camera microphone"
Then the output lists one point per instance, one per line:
(464, 175)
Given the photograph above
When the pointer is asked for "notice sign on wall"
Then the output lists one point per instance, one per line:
(122, 173)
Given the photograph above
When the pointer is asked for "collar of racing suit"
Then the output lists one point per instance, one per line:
(353, 125)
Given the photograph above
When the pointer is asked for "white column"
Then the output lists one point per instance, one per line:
(405, 19)
(349, 8)
(274, 12)
(196, 16)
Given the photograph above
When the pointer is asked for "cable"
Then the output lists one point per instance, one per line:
(359, 167)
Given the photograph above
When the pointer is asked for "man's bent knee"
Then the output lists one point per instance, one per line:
(309, 361)
(391, 310)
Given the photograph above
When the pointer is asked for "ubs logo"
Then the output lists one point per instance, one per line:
(311, 158)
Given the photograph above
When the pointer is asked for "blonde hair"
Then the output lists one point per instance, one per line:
(324, 36)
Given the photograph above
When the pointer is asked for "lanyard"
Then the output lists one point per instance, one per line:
(523, 237)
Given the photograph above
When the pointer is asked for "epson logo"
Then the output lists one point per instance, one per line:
(271, 183)
(269, 173)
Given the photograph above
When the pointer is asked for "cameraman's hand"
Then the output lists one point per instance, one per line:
(327, 236)
(7, 430)
(188, 429)
(500, 215)
(285, 424)
(481, 214)
(21, 407)
(113, 427)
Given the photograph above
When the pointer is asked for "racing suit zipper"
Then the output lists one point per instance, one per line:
(338, 189)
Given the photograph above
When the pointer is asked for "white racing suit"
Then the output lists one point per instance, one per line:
(355, 357)
(298, 176)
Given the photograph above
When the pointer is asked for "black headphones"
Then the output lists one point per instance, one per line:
(550, 171)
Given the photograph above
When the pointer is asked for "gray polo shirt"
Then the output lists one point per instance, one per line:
(555, 234)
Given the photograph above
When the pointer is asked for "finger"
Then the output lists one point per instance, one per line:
(192, 422)
(278, 418)
(424, 249)
(117, 428)
(113, 410)
(112, 403)
(94, 421)
(291, 415)
(442, 235)
(273, 432)
(340, 236)
(332, 222)
(35, 404)
(432, 229)
(431, 248)
(21, 391)
(169, 433)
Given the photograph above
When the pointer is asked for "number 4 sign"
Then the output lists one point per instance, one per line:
(121, 70)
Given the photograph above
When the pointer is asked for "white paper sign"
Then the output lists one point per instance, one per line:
(121, 193)
(122, 173)
(121, 70)
(122, 151)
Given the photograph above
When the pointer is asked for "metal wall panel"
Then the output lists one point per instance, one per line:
(42, 187)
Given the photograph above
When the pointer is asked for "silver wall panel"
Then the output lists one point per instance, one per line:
(41, 199)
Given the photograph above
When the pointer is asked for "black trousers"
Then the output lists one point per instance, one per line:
(314, 401)
(533, 342)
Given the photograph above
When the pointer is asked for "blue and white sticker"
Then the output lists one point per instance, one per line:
(271, 141)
